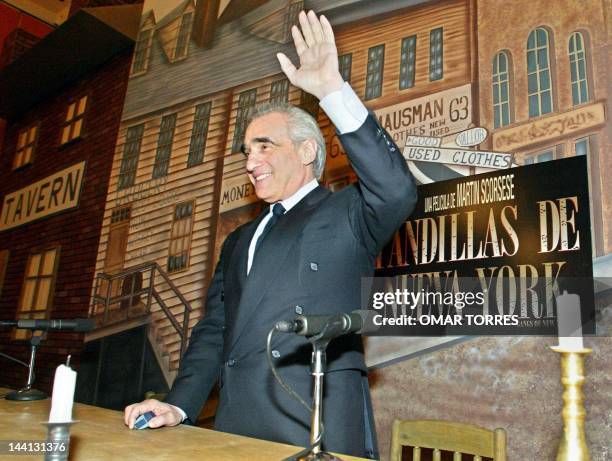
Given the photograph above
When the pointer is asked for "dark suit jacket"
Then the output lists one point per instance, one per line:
(311, 262)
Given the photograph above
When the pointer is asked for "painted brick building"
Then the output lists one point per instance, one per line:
(62, 112)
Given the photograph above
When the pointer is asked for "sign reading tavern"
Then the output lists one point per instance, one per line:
(55, 193)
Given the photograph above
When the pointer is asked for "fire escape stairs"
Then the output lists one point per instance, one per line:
(144, 295)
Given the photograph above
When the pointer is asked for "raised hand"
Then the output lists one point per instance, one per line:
(315, 46)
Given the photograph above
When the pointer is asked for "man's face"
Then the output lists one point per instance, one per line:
(274, 165)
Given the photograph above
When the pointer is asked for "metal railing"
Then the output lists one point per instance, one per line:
(119, 297)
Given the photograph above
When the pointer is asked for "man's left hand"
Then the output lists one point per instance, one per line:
(316, 47)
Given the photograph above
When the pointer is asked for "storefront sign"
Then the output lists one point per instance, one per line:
(456, 156)
(548, 128)
(56, 193)
(236, 192)
(438, 114)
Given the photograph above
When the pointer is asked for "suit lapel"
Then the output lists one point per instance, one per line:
(271, 255)
(236, 268)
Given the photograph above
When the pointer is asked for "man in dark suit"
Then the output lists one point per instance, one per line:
(305, 254)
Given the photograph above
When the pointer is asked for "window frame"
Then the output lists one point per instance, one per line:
(498, 79)
(243, 112)
(410, 43)
(557, 151)
(146, 51)
(539, 72)
(184, 33)
(70, 123)
(28, 145)
(309, 103)
(375, 67)
(291, 18)
(173, 238)
(199, 134)
(434, 56)
(30, 313)
(279, 91)
(124, 158)
(345, 66)
(163, 152)
(574, 61)
(5, 255)
(591, 143)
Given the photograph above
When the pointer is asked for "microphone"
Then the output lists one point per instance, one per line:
(73, 324)
(336, 324)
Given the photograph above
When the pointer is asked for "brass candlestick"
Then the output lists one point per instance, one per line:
(573, 446)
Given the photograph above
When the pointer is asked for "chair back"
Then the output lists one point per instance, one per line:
(458, 438)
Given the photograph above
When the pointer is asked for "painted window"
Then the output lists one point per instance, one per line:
(291, 18)
(246, 104)
(345, 61)
(141, 51)
(578, 69)
(26, 143)
(4, 257)
(540, 157)
(279, 91)
(38, 286)
(73, 124)
(407, 62)
(539, 80)
(164, 146)
(121, 214)
(199, 133)
(180, 238)
(584, 146)
(131, 152)
(182, 42)
(374, 78)
(436, 55)
(309, 103)
(501, 90)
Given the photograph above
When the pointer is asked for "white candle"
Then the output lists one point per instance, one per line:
(63, 395)
(569, 322)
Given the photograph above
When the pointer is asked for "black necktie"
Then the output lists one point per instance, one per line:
(277, 211)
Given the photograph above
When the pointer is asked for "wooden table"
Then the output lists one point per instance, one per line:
(101, 435)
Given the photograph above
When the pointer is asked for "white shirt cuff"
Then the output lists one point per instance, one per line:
(345, 109)
(183, 414)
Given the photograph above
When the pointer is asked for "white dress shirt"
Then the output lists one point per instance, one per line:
(288, 203)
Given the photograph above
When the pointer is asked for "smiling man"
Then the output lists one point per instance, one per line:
(305, 254)
(276, 165)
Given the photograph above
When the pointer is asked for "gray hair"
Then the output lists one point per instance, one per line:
(301, 126)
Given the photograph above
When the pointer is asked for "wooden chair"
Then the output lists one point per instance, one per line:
(447, 436)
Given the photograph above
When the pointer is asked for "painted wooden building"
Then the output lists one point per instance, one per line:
(178, 186)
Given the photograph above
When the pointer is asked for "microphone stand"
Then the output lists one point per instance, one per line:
(28, 393)
(318, 366)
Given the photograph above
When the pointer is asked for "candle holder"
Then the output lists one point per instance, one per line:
(58, 441)
(573, 446)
